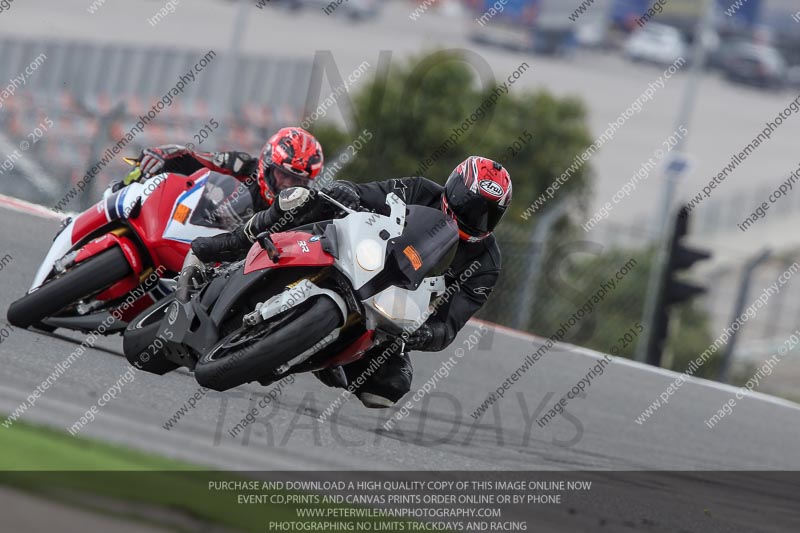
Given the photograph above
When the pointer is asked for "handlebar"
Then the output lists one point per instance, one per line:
(341, 206)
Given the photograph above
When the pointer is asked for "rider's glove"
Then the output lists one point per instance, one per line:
(427, 338)
(225, 247)
(152, 160)
(345, 193)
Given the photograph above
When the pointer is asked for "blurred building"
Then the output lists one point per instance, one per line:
(95, 93)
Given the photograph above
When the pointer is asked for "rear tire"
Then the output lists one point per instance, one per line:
(232, 363)
(140, 336)
(87, 278)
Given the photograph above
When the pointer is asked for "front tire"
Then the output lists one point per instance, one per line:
(238, 358)
(85, 279)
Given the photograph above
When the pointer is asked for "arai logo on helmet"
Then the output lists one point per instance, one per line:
(491, 188)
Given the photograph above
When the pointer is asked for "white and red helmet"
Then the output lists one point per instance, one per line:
(476, 195)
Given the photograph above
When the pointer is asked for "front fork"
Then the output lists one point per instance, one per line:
(291, 296)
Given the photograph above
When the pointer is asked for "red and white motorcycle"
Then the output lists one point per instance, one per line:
(119, 255)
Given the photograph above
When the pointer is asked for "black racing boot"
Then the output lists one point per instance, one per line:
(384, 385)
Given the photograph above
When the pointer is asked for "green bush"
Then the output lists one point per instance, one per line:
(414, 111)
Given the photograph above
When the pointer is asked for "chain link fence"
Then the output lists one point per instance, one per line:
(543, 284)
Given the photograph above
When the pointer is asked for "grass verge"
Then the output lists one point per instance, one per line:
(81, 471)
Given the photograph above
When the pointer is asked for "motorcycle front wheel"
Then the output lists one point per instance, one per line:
(85, 279)
(249, 353)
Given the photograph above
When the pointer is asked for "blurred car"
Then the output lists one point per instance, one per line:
(592, 34)
(756, 64)
(355, 9)
(793, 76)
(541, 26)
(718, 58)
(656, 43)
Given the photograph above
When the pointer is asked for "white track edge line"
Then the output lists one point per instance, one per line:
(725, 387)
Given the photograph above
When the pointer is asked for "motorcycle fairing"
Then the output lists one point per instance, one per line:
(190, 324)
(296, 248)
(360, 227)
(426, 247)
(165, 241)
(179, 227)
(109, 209)
(395, 308)
(61, 246)
(105, 211)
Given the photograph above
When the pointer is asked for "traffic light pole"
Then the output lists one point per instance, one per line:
(652, 303)
(671, 177)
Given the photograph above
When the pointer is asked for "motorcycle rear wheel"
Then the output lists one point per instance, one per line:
(87, 278)
(247, 354)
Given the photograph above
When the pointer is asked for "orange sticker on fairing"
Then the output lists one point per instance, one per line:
(413, 256)
(181, 214)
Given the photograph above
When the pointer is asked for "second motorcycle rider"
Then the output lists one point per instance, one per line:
(291, 157)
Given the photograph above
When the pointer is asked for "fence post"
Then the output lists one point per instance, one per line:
(744, 288)
(539, 234)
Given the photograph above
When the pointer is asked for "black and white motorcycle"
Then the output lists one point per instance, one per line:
(318, 296)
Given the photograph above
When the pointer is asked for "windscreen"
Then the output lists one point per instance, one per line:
(226, 203)
(426, 246)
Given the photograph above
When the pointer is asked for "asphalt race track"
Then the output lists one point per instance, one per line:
(596, 432)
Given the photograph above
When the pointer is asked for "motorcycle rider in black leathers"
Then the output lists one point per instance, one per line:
(476, 195)
(291, 157)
